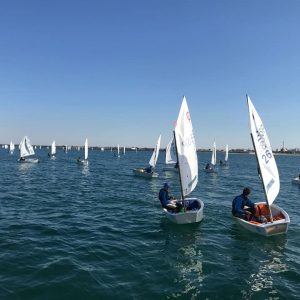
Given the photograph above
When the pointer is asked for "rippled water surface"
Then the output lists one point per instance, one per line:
(98, 232)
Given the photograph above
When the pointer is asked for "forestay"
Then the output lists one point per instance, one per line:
(186, 150)
(154, 156)
(171, 153)
(26, 148)
(265, 157)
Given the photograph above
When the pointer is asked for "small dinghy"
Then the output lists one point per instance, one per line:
(270, 218)
(186, 153)
(84, 161)
(149, 171)
(211, 167)
(53, 151)
(11, 148)
(224, 163)
(26, 150)
(296, 180)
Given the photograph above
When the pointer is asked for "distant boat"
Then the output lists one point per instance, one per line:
(211, 168)
(274, 220)
(11, 147)
(84, 161)
(53, 150)
(224, 163)
(149, 172)
(186, 150)
(296, 180)
(66, 149)
(171, 157)
(118, 150)
(124, 151)
(26, 150)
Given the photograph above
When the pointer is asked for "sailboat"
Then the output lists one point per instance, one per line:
(275, 219)
(53, 150)
(186, 152)
(124, 150)
(211, 168)
(84, 161)
(149, 171)
(118, 151)
(11, 147)
(296, 180)
(171, 157)
(26, 149)
(224, 163)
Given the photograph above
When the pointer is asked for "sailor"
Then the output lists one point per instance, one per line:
(242, 207)
(166, 200)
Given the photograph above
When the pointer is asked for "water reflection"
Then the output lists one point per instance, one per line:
(187, 261)
(259, 257)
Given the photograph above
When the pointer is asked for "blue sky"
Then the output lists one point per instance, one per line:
(116, 71)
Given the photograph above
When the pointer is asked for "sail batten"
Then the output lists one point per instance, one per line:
(265, 158)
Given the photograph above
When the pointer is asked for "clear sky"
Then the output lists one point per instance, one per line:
(115, 71)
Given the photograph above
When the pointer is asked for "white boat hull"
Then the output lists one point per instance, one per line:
(296, 180)
(142, 173)
(211, 170)
(170, 169)
(83, 162)
(29, 160)
(268, 229)
(187, 217)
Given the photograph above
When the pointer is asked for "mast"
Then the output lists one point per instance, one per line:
(181, 190)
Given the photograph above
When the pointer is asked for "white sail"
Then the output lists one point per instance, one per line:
(11, 147)
(186, 150)
(154, 156)
(53, 148)
(86, 149)
(214, 154)
(26, 148)
(124, 150)
(265, 157)
(171, 153)
(226, 153)
(118, 150)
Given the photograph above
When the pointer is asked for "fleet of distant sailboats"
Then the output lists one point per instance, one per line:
(181, 157)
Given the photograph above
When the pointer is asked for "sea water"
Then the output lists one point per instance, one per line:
(98, 232)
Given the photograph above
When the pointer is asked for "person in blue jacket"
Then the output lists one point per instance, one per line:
(168, 201)
(242, 207)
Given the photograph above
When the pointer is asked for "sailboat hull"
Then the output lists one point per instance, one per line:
(211, 170)
(268, 229)
(187, 217)
(296, 180)
(170, 169)
(30, 160)
(83, 162)
(142, 173)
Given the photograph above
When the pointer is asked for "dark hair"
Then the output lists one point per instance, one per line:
(246, 191)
